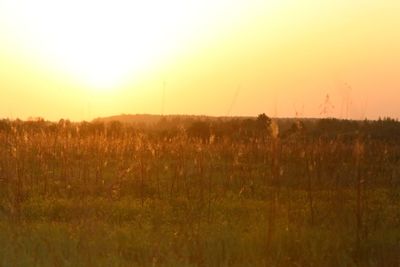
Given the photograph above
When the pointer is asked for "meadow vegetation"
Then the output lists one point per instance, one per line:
(237, 192)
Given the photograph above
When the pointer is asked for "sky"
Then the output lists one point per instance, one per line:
(82, 59)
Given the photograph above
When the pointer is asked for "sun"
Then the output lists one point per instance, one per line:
(102, 44)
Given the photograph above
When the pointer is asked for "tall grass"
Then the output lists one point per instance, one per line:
(112, 195)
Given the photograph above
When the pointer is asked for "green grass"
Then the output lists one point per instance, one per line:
(179, 232)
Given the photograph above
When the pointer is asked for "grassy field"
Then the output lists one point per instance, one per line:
(113, 195)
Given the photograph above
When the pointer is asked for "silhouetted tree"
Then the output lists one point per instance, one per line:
(263, 124)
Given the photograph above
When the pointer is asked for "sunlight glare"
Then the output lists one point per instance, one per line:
(103, 43)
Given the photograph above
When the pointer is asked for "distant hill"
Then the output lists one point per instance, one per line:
(153, 119)
(172, 121)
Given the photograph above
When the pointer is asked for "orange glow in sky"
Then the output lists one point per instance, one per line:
(84, 59)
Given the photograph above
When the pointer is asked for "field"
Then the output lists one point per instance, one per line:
(248, 192)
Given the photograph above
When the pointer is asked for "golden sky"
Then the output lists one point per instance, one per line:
(82, 59)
